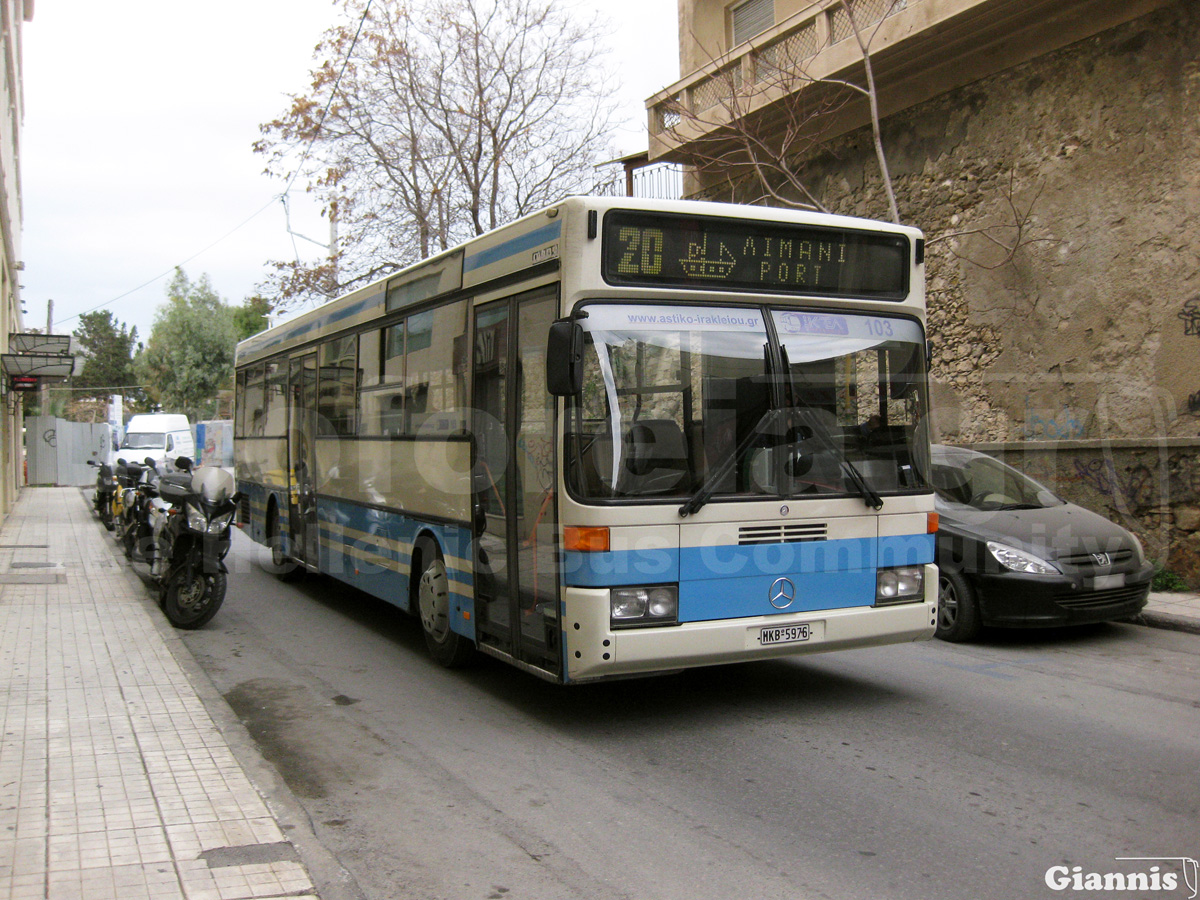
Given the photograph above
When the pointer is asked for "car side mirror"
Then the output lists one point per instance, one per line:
(564, 358)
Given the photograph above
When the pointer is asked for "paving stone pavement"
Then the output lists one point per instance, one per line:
(115, 782)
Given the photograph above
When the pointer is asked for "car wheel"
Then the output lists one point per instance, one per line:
(958, 610)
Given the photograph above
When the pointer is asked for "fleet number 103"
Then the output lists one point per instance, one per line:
(642, 251)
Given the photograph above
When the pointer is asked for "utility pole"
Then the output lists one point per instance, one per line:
(44, 387)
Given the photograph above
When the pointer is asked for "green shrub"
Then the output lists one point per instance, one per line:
(1165, 581)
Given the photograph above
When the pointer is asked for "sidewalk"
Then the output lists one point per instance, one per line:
(115, 782)
(1180, 612)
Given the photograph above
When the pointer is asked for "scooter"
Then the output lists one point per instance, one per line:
(106, 487)
(190, 526)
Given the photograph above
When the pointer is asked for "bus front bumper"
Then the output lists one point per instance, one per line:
(595, 650)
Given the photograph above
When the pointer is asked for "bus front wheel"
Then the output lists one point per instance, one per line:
(283, 567)
(433, 606)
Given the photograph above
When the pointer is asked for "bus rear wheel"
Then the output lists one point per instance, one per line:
(432, 592)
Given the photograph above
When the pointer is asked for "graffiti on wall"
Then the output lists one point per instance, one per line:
(1191, 327)
(1191, 317)
(1059, 426)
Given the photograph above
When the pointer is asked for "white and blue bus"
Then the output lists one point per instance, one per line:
(612, 438)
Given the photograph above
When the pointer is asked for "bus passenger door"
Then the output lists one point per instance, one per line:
(516, 570)
(304, 535)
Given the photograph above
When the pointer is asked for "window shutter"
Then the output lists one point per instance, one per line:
(751, 18)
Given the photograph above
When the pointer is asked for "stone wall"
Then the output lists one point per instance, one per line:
(1151, 488)
(1092, 328)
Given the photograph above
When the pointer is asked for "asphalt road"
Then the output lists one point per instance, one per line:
(919, 771)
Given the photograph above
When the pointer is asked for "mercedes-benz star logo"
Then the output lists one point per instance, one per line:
(782, 593)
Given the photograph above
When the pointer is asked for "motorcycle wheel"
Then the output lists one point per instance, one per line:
(106, 515)
(191, 600)
(128, 536)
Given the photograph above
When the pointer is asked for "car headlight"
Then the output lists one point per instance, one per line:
(1019, 561)
(902, 584)
(631, 607)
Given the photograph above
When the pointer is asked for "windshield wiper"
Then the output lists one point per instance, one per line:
(869, 494)
(854, 476)
(709, 485)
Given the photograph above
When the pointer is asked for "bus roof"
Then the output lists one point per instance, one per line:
(525, 243)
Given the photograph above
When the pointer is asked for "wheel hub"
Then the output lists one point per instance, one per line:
(433, 600)
(947, 604)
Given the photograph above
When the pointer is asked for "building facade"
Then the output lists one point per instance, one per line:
(13, 14)
(1051, 153)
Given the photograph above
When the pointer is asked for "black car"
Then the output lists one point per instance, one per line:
(1012, 554)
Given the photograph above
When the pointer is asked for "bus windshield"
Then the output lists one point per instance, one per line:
(703, 403)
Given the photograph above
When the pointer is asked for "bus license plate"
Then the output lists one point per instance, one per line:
(784, 634)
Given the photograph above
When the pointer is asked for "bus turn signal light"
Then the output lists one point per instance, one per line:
(932, 523)
(585, 538)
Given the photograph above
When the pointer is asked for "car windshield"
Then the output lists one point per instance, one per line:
(971, 479)
(685, 401)
(144, 440)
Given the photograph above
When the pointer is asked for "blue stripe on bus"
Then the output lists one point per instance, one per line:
(732, 581)
(303, 328)
(513, 246)
(371, 529)
(738, 598)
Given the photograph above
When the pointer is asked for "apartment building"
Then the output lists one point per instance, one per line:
(13, 14)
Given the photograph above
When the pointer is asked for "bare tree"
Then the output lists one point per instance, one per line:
(449, 118)
(754, 128)
(751, 126)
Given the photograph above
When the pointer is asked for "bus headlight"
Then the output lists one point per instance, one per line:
(902, 584)
(631, 607)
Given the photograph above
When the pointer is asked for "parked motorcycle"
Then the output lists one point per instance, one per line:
(139, 493)
(121, 476)
(190, 528)
(106, 487)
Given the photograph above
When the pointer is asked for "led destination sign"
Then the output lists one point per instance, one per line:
(733, 254)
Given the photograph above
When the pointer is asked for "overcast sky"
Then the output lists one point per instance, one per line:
(136, 151)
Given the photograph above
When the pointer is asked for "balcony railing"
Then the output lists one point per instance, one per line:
(750, 68)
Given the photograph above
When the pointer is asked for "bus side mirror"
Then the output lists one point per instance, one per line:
(564, 358)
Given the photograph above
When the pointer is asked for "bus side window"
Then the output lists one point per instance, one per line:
(239, 412)
(255, 400)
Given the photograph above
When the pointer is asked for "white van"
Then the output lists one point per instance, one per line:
(162, 436)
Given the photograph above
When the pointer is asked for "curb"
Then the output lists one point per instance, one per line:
(1167, 621)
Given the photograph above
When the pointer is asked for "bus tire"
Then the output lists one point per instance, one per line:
(958, 610)
(431, 592)
(282, 566)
